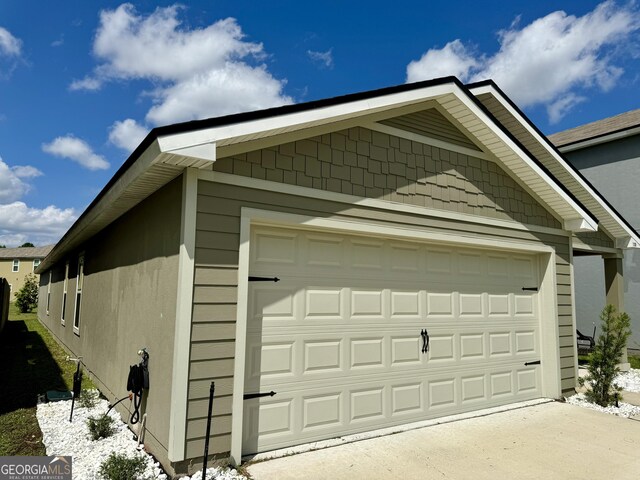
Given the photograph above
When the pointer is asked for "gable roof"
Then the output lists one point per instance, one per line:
(25, 252)
(627, 123)
(167, 151)
(507, 113)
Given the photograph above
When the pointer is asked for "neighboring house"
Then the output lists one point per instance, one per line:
(607, 153)
(17, 263)
(430, 215)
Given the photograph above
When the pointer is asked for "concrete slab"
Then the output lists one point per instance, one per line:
(631, 397)
(550, 441)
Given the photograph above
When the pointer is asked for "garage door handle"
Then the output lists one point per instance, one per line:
(263, 279)
(425, 340)
(529, 289)
(248, 396)
(537, 362)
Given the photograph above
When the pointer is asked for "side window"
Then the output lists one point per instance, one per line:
(49, 293)
(36, 263)
(79, 285)
(64, 293)
(16, 265)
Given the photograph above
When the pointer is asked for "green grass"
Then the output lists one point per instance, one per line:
(634, 361)
(32, 364)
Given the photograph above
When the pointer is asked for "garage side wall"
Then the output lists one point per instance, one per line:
(128, 302)
(216, 280)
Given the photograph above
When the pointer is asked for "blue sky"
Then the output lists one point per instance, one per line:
(82, 82)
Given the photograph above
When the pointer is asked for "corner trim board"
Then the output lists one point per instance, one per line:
(184, 306)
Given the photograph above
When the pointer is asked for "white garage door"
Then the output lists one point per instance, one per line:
(338, 338)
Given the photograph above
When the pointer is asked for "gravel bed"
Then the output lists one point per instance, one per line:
(629, 381)
(625, 410)
(63, 438)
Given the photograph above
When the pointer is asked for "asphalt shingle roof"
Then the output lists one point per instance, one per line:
(621, 122)
(25, 252)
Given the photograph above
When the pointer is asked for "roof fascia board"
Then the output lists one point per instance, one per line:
(590, 142)
(590, 223)
(147, 158)
(498, 95)
(355, 109)
(319, 116)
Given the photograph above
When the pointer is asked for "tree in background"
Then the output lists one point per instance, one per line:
(3, 246)
(27, 244)
(604, 360)
(27, 296)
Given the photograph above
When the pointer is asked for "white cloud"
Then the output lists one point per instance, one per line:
(325, 59)
(127, 134)
(452, 59)
(87, 83)
(9, 45)
(26, 171)
(20, 223)
(12, 187)
(196, 73)
(546, 61)
(77, 150)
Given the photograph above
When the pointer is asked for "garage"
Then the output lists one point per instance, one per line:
(367, 332)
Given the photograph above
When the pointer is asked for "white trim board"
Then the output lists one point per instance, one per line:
(434, 142)
(551, 384)
(634, 241)
(184, 306)
(248, 182)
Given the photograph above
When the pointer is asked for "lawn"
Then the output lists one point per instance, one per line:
(33, 363)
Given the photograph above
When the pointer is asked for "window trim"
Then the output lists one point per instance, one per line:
(49, 291)
(15, 268)
(36, 265)
(65, 284)
(77, 310)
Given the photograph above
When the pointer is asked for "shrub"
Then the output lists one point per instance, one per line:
(604, 360)
(121, 467)
(88, 398)
(100, 427)
(27, 296)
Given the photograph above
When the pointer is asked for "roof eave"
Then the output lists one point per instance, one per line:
(627, 234)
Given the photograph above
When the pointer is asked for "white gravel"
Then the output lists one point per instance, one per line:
(625, 410)
(63, 438)
(629, 381)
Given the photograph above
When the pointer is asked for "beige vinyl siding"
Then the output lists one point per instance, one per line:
(595, 239)
(432, 124)
(371, 164)
(213, 329)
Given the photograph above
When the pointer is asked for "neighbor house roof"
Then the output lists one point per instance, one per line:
(625, 124)
(167, 151)
(26, 252)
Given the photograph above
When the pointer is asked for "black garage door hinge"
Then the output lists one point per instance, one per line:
(248, 396)
(537, 362)
(529, 289)
(264, 279)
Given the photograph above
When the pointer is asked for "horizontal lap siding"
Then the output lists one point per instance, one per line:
(216, 280)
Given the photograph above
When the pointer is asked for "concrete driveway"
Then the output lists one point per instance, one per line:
(547, 441)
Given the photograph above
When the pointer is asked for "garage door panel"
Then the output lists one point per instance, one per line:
(338, 338)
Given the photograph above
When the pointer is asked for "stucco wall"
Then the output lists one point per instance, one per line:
(614, 170)
(128, 302)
